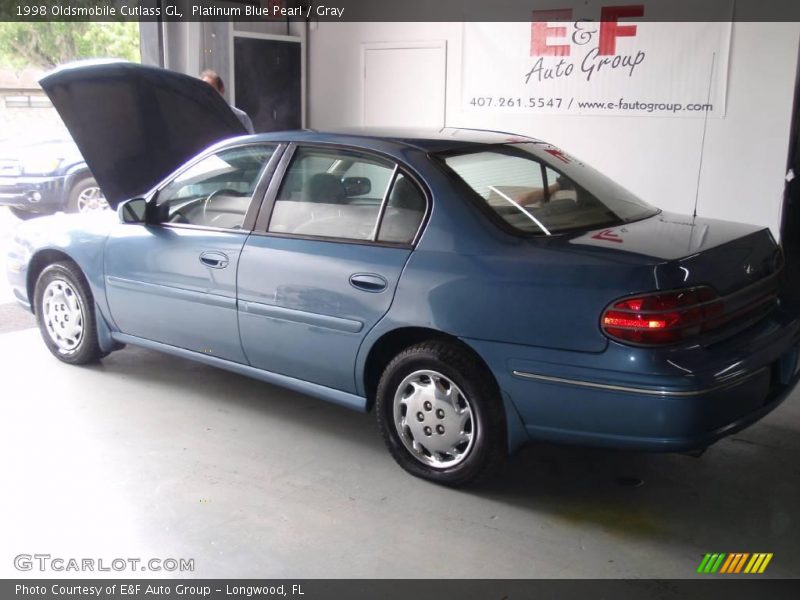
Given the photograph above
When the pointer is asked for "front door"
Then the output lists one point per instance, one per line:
(173, 280)
(324, 271)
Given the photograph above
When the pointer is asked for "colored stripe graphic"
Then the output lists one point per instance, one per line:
(740, 564)
(715, 567)
(703, 563)
(758, 563)
(765, 563)
(711, 563)
(727, 564)
(735, 562)
(754, 563)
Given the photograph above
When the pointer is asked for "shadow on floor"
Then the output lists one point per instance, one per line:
(744, 488)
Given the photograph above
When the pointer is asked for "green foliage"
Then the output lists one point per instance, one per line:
(47, 44)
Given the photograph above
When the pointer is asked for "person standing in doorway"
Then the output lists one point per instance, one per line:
(213, 79)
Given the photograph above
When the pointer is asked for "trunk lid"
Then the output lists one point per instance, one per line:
(136, 124)
(684, 251)
(741, 263)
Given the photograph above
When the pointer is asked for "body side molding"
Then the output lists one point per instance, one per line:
(339, 397)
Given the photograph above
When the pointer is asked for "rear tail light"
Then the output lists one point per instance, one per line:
(663, 317)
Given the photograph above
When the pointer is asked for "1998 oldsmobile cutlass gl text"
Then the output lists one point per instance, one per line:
(102, 10)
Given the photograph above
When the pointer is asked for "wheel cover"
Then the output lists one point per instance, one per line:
(434, 419)
(91, 199)
(62, 312)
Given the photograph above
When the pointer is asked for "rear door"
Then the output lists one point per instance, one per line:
(173, 279)
(323, 263)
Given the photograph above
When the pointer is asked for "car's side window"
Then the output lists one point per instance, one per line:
(405, 208)
(331, 193)
(216, 191)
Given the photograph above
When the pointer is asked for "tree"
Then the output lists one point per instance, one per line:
(48, 44)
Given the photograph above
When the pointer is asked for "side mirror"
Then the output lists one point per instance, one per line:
(356, 186)
(132, 211)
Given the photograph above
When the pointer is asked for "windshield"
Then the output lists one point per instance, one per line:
(536, 188)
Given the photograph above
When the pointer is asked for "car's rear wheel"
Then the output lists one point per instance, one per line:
(440, 414)
(86, 196)
(65, 314)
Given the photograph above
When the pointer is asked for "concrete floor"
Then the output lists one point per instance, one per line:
(8, 223)
(152, 456)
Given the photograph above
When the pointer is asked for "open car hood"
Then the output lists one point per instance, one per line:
(136, 124)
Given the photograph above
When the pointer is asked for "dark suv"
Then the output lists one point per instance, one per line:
(45, 177)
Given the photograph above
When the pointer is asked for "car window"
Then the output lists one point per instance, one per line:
(560, 187)
(378, 177)
(404, 211)
(334, 194)
(533, 197)
(216, 191)
(501, 180)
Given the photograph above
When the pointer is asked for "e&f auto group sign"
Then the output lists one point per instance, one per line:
(617, 63)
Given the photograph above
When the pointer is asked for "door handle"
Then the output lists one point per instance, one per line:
(215, 260)
(368, 282)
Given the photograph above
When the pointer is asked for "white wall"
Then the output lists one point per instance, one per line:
(656, 157)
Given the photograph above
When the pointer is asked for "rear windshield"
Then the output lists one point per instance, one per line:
(538, 189)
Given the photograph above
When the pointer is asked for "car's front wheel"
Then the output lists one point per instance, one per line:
(440, 414)
(65, 314)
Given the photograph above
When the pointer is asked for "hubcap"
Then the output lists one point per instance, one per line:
(63, 315)
(91, 199)
(434, 419)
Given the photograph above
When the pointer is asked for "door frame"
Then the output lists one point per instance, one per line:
(275, 38)
(440, 45)
(793, 152)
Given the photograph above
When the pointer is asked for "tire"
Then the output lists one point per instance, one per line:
(23, 215)
(65, 314)
(85, 196)
(465, 439)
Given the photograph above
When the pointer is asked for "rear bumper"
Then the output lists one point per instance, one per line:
(34, 194)
(637, 421)
(664, 400)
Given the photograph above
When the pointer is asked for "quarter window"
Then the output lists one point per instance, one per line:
(405, 208)
(216, 191)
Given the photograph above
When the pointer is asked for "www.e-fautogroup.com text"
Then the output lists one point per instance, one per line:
(573, 104)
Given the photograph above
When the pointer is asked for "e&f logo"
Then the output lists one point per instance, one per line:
(735, 563)
(599, 43)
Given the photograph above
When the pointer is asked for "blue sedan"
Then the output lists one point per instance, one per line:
(475, 290)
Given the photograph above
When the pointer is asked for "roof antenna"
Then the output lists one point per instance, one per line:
(703, 140)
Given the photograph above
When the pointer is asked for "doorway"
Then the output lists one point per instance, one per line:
(790, 223)
(268, 75)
